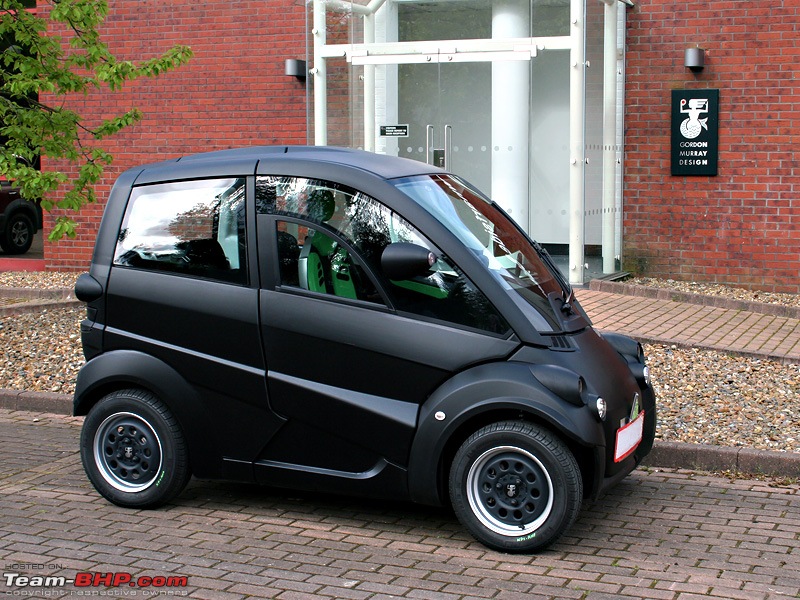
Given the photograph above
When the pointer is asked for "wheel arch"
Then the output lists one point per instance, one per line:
(489, 394)
(129, 369)
(586, 457)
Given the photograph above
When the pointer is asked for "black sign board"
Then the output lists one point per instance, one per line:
(695, 126)
(394, 130)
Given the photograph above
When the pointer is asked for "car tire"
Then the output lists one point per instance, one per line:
(17, 235)
(515, 487)
(133, 450)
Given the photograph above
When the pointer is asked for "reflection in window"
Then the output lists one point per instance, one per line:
(329, 210)
(508, 254)
(315, 261)
(195, 228)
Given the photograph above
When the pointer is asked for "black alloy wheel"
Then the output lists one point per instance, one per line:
(133, 450)
(515, 486)
(17, 235)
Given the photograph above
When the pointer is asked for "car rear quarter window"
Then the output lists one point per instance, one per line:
(194, 228)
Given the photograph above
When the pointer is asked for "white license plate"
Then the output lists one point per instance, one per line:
(628, 438)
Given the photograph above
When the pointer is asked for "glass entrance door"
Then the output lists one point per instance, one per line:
(447, 108)
(447, 84)
(464, 110)
(488, 89)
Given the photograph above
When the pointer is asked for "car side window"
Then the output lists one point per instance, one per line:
(194, 228)
(313, 260)
(369, 227)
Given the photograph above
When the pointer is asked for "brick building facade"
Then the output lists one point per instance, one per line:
(740, 227)
(232, 93)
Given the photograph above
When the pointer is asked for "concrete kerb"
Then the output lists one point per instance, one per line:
(36, 300)
(37, 294)
(702, 457)
(37, 306)
(667, 455)
(46, 402)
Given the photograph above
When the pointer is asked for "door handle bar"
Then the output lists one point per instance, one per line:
(428, 143)
(448, 145)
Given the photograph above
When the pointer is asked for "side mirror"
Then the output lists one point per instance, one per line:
(403, 260)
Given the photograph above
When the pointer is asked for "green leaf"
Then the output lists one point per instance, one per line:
(34, 61)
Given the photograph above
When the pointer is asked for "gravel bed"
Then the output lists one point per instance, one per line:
(714, 289)
(41, 351)
(708, 397)
(704, 397)
(38, 279)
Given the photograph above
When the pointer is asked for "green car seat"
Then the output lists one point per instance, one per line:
(324, 266)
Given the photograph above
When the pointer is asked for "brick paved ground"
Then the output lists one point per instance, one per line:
(729, 330)
(660, 534)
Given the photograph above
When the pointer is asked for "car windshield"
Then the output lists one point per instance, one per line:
(522, 268)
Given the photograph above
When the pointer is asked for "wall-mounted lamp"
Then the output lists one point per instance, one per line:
(695, 59)
(296, 68)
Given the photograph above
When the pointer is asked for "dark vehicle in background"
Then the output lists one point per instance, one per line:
(20, 220)
(336, 320)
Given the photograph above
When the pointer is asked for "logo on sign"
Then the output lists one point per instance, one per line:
(693, 125)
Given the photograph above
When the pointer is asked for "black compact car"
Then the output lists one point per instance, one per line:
(337, 320)
(20, 219)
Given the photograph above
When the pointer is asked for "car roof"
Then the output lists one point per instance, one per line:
(382, 165)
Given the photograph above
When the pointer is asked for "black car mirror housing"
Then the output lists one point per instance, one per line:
(403, 260)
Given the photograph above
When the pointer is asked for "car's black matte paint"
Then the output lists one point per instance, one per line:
(274, 383)
(473, 396)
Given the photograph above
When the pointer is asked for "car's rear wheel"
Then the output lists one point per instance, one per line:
(516, 487)
(133, 450)
(17, 236)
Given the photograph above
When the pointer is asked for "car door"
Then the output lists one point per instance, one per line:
(180, 292)
(351, 356)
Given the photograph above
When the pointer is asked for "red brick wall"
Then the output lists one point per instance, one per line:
(741, 227)
(232, 93)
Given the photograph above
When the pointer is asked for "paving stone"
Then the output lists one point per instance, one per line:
(666, 534)
(340, 594)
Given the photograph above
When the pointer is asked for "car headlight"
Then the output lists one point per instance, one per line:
(600, 408)
(641, 373)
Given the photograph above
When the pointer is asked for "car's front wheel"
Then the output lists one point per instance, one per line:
(515, 486)
(133, 450)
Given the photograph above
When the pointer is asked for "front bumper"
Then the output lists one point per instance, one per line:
(608, 473)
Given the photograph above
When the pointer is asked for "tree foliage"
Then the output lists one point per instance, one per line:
(54, 53)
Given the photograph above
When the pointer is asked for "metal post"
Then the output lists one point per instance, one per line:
(577, 112)
(511, 90)
(369, 87)
(320, 73)
(609, 133)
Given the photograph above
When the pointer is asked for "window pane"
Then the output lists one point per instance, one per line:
(195, 228)
(369, 226)
(315, 261)
(516, 263)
